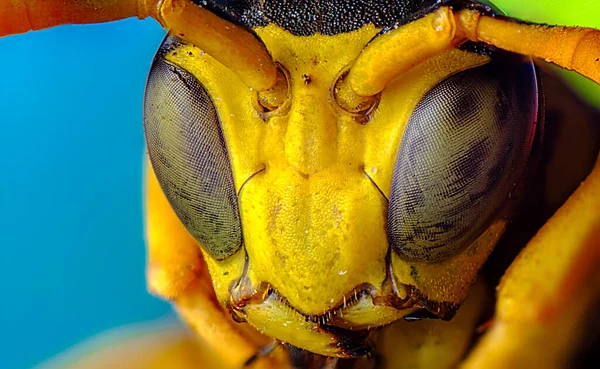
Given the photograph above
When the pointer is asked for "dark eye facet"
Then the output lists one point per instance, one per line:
(464, 148)
(188, 154)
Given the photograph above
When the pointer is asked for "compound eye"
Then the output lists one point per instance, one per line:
(189, 156)
(464, 148)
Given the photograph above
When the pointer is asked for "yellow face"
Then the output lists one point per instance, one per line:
(312, 184)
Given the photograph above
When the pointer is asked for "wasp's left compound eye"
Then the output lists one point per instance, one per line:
(189, 156)
(463, 150)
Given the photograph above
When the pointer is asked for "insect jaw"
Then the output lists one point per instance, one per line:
(342, 331)
(442, 309)
(267, 311)
(407, 296)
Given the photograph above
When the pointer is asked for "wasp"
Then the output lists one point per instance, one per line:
(331, 183)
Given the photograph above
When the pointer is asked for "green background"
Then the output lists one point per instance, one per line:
(582, 13)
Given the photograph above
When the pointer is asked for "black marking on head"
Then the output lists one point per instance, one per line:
(170, 44)
(328, 17)
(420, 314)
(307, 79)
(352, 344)
(444, 310)
(414, 274)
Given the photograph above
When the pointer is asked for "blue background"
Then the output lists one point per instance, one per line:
(71, 150)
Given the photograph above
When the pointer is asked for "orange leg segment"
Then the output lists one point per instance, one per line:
(20, 16)
(550, 290)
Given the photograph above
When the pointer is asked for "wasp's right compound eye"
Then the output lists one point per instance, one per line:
(189, 156)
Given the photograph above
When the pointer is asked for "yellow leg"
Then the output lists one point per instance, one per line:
(174, 259)
(153, 345)
(549, 291)
(177, 272)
